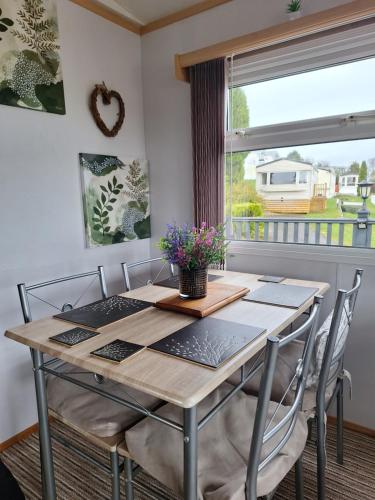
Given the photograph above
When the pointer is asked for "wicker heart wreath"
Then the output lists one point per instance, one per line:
(107, 96)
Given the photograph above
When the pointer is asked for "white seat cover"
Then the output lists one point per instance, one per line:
(224, 446)
(91, 412)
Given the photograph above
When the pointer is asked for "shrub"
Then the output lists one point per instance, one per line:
(249, 209)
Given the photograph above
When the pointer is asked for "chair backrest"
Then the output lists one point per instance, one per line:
(134, 281)
(25, 291)
(280, 432)
(337, 337)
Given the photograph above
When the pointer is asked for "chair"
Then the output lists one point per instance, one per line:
(245, 449)
(147, 276)
(326, 374)
(100, 421)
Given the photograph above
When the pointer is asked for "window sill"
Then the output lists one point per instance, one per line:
(355, 256)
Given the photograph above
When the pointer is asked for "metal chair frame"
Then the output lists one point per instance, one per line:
(126, 267)
(116, 467)
(331, 360)
(261, 432)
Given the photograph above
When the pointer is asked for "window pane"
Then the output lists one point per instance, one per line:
(303, 177)
(347, 88)
(336, 169)
(283, 178)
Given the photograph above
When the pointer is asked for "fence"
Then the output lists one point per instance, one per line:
(324, 232)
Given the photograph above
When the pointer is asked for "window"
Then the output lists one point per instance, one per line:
(303, 176)
(300, 113)
(283, 178)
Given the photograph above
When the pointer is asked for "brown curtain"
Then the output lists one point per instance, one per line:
(207, 81)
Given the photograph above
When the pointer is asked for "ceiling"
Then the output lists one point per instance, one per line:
(146, 11)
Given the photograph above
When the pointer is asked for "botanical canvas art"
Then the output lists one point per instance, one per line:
(30, 66)
(116, 199)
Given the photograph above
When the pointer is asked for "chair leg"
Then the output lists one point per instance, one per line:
(128, 479)
(299, 479)
(340, 423)
(115, 474)
(321, 455)
(310, 423)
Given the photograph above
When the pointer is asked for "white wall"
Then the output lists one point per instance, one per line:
(168, 146)
(42, 232)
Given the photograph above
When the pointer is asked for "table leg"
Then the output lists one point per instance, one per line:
(44, 435)
(190, 454)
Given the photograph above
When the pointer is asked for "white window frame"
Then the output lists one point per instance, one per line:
(357, 45)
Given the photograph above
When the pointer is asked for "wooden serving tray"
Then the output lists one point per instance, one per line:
(218, 296)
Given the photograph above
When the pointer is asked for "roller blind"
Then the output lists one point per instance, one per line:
(328, 49)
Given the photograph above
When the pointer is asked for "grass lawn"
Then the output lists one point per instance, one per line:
(332, 212)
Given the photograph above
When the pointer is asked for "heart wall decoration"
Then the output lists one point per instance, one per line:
(107, 96)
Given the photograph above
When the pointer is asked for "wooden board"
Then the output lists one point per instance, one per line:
(218, 296)
(209, 342)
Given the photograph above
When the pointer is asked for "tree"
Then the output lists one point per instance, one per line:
(241, 119)
(363, 172)
(354, 168)
(240, 110)
(295, 156)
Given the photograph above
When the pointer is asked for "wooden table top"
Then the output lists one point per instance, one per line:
(174, 380)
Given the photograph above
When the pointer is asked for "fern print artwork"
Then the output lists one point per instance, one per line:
(30, 66)
(116, 199)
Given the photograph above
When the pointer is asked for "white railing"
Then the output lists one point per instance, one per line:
(326, 232)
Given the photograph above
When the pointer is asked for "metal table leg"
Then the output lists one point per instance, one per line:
(44, 435)
(190, 453)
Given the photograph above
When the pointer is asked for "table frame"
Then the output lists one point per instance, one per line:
(189, 429)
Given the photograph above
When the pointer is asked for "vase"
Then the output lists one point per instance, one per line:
(294, 15)
(193, 283)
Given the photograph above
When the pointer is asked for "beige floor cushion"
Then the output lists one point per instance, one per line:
(224, 446)
(91, 412)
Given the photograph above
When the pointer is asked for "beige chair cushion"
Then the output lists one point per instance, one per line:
(91, 412)
(223, 444)
(287, 361)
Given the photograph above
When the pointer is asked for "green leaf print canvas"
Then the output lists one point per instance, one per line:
(30, 66)
(116, 199)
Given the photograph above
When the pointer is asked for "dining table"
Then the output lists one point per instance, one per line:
(169, 378)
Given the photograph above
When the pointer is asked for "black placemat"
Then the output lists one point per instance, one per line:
(73, 337)
(272, 279)
(173, 281)
(104, 312)
(293, 296)
(209, 341)
(117, 351)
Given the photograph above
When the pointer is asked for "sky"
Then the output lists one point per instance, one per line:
(344, 89)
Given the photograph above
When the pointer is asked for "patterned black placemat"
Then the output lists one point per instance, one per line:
(272, 279)
(104, 312)
(173, 281)
(117, 351)
(208, 341)
(275, 294)
(73, 337)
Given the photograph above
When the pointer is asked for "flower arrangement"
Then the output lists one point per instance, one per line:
(191, 247)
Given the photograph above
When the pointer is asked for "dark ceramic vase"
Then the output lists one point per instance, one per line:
(193, 283)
